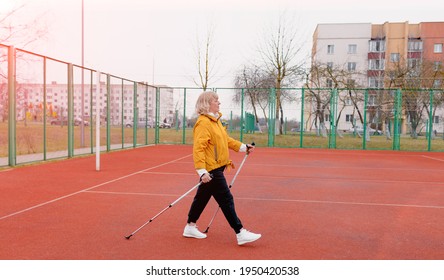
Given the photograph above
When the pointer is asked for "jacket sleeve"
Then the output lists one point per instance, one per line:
(233, 144)
(201, 141)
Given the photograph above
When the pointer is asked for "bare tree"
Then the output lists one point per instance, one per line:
(416, 78)
(318, 96)
(205, 59)
(22, 35)
(279, 52)
(320, 81)
(256, 84)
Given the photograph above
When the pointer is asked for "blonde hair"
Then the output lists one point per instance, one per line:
(203, 102)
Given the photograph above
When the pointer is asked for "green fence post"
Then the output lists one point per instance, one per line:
(135, 114)
(242, 123)
(430, 123)
(272, 117)
(108, 112)
(333, 108)
(146, 114)
(301, 126)
(122, 126)
(44, 108)
(231, 121)
(184, 121)
(364, 139)
(156, 123)
(70, 110)
(396, 117)
(247, 123)
(12, 156)
(91, 104)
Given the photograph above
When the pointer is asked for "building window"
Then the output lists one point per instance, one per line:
(331, 49)
(371, 100)
(437, 65)
(349, 118)
(352, 48)
(415, 46)
(435, 119)
(329, 65)
(376, 64)
(414, 63)
(437, 83)
(351, 66)
(394, 57)
(375, 82)
(437, 48)
(377, 46)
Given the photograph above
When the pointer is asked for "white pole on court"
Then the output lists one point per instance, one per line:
(98, 122)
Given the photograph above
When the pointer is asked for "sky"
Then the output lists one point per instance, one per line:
(155, 40)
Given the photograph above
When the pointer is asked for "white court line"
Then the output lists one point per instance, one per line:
(291, 200)
(343, 167)
(349, 179)
(345, 202)
(438, 159)
(134, 193)
(88, 189)
(172, 173)
(296, 165)
(311, 178)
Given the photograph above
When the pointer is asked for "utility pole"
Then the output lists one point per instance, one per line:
(82, 110)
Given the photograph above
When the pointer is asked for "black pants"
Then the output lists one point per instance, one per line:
(219, 189)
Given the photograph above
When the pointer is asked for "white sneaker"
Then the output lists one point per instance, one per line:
(192, 231)
(245, 236)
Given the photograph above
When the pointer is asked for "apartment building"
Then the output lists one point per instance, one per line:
(378, 56)
(342, 46)
(125, 102)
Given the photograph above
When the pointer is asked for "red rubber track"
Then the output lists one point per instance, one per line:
(308, 204)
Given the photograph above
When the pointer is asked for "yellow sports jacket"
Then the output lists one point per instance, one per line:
(211, 143)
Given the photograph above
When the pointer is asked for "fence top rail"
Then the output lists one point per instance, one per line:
(74, 65)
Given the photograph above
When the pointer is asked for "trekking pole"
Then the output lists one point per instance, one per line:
(231, 184)
(166, 208)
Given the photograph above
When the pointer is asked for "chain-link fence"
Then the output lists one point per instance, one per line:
(49, 109)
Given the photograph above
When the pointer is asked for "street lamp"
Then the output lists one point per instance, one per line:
(149, 46)
(82, 110)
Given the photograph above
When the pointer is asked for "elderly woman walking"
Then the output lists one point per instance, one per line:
(211, 157)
